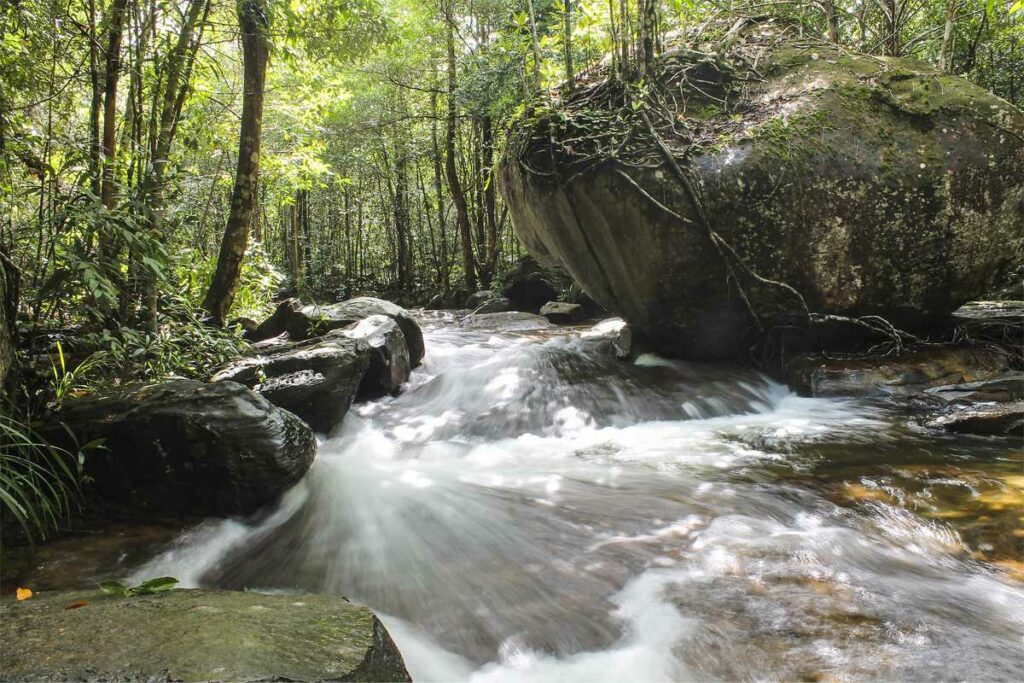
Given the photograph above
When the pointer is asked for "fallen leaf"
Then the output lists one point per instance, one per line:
(77, 603)
(23, 593)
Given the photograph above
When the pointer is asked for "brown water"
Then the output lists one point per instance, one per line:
(532, 509)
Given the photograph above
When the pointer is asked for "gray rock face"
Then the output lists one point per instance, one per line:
(477, 298)
(529, 285)
(389, 354)
(998, 419)
(497, 304)
(871, 186)
(194, 635)
(513, 321)
(562, 313)
(317, 379)
(303, 321)
(190, 448)
(614, 331)
(1003, 389)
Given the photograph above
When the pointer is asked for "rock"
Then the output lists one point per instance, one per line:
(513, 321)
(1009, 387)
(562, 313)
(302, 321)
(616, 332)
(530, 285)
(187, 448)
(248, 325)
(436, 303)
(997, 419)
(194, 635)
(870, 186)
(905, 374)
(477, 298)
(498, 304)
(1001, 320)
(591, 309)
(389, 358)
(317, 379)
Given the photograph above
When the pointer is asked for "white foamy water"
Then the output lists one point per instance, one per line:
(531, 509)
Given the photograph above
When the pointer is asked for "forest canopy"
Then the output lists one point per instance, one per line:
(370, 167)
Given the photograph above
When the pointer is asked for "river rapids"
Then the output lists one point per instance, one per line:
(532, 509)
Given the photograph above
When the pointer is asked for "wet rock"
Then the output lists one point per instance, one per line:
(997, 419)
(194, 635)
(477, 298)
(513, 321)
(562, 313)
(529, 285)
(871, 187)
(1009, 387)
(436, 303)
(1001, 320)
(317, 379)
(498, 304)
(905, 374)
(389, 366)
(187, 448)
(614, 331)
(303, 321)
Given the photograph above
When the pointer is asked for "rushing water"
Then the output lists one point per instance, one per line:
(532, 509)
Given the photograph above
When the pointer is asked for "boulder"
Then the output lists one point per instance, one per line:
(476, 298)
(529, 285)
(792, 173)
(562, 313)
(302, 321)
(187, 448)
(389, 354)
(1000, 320)
(513, 321)
(194, 635)
(317, 379)
(497, 304)
(1002, 389)
(904, 374)
(614, 331)
(996, 419)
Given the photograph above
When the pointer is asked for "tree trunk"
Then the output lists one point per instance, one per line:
(458, 197)
(115, 32)
(535, 41)
(570, 75)
(252, 19)
(948, 36)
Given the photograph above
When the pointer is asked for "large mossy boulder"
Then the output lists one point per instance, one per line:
(187, 448)
(303, 321)
(759, 175)
(194, 635)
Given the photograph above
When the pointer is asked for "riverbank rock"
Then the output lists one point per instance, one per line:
(390, 365)
(316, 379)
(562, 313)
(303, 321)
(498, 304)
(615, 332)
(867, 185)
(187, 448)
(1003, 389)
(529, 285)
(194, 635)
(513, 321)
(902, 374)
(996, 419)
(998, 320)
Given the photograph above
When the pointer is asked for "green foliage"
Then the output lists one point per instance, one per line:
(39, 482)
(151, 587)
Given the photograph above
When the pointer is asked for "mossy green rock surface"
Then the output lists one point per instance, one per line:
(870, 185)
(194, 635)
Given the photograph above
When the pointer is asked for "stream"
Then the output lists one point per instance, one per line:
(531, 508)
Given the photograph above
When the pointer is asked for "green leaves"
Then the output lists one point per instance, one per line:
(151, 587)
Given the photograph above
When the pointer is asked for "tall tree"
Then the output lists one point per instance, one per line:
(254, 23)
(451, 170)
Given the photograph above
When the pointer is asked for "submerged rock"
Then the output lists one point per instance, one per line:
(317, 381)
(513, 321)
(868, 185)
(303, 321)
(189, 448)
(562, 313)
(903, 374)
(194, 635)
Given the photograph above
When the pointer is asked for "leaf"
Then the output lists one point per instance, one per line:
(114, 588)
(76, 604)
(23, 594)
(158, 585)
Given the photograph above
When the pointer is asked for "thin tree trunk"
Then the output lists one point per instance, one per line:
(115, 32)
(252, 19)
(570, 75)
(458, 198)
(948, 36)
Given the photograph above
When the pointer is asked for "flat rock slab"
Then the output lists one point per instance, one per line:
(194, 635)
(513, 321)
(997, 419)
